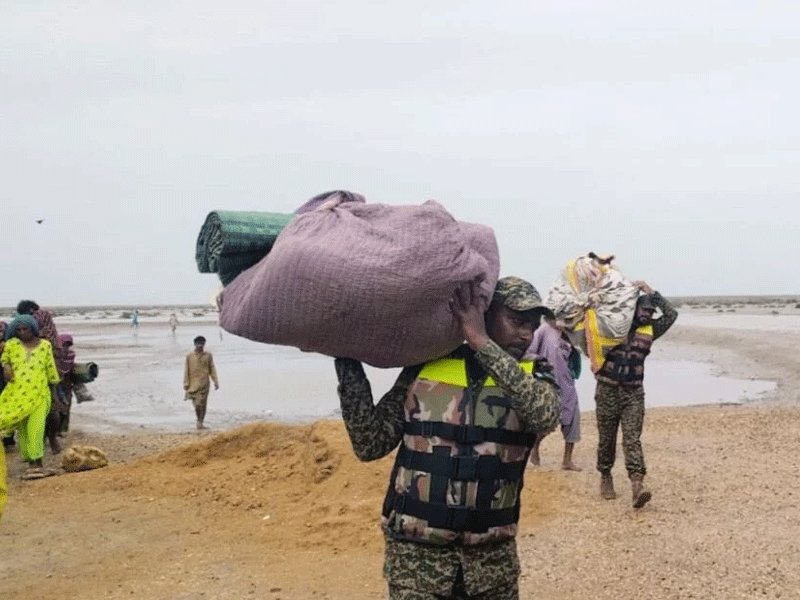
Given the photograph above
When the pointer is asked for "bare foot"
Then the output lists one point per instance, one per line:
(570, 466)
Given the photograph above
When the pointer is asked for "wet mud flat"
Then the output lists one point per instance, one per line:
(142, 372)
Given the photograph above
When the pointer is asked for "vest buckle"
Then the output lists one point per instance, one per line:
(470, 434)
(456, 519)
(399, 503)
(464, 468)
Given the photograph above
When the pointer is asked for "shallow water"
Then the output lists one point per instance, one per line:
(683, 383)
(762, 322)
(141, 382)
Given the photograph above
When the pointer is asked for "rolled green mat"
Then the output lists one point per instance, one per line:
(230, 241)
(84, 372)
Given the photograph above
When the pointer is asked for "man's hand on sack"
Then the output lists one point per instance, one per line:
(468, 308)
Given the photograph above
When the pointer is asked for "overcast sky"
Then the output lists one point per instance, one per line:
(665, 133)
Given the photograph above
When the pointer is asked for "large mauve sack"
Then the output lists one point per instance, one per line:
(364, 281)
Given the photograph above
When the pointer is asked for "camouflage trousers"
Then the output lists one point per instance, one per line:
(620, 406)
(417, 571)
(507, 593)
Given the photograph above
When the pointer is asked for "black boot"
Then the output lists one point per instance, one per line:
(641, 495)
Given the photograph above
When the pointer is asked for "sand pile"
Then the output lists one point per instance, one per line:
(298, 484)
(303, 482)
(262, 504)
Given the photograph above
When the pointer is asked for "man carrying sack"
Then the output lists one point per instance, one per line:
(620, 394)
(465, 425)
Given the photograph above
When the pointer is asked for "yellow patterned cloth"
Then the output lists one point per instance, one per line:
(3, 487)
(596, 303)
(34, 371)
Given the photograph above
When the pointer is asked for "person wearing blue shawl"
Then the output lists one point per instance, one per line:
(23, 319)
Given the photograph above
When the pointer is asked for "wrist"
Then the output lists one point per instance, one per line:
(476, 339)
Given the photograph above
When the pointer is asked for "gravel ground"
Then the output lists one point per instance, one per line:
(280, 511)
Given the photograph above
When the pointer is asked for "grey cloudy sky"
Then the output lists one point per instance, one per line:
(665, 133)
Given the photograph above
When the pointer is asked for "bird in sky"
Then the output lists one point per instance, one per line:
(40, 221)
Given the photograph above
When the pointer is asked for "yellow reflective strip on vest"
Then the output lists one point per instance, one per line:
(597, 343)
(526, 366)
(452, 371)
(445, 370)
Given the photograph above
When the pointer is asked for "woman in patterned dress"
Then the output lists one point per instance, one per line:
(31, 376)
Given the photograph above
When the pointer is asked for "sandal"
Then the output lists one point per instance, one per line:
(37, 473)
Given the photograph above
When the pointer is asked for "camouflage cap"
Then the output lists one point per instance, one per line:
(517, 294)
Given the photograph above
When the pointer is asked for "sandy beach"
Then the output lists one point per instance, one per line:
(258, 507)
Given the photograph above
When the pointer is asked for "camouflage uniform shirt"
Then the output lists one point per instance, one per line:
(375, 430)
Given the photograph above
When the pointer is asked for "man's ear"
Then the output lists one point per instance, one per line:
(491, 312)
(489, 317)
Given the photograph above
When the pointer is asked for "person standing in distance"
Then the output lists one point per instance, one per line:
(173, 323)
(199, 369)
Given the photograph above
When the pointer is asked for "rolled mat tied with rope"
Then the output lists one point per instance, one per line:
(84, 372)
(596, 303)
(365, 281)
(82, 393)
(230, 242)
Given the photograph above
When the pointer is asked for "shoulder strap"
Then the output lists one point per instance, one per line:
(460, 468)
(469, 434)
(442, 516)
